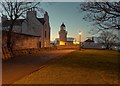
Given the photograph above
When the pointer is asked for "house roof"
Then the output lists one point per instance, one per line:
(88, 40)
(5, 32)
(70, 39)
(41, 20)
(19, 22)
(8, 22)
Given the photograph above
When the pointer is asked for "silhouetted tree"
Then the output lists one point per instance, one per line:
(104, 15)
(15, 10)
(107, 38)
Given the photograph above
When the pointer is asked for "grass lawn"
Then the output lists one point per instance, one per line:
(78, 67)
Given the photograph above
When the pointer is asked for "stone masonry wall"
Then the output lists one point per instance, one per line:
(21, 41)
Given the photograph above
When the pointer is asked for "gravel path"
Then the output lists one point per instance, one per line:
(18, 67)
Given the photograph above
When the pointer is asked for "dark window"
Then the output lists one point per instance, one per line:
(39, 44)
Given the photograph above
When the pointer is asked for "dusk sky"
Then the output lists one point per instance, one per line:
(69, 13)
(72, 16)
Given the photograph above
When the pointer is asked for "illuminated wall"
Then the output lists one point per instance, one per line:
(62, 43)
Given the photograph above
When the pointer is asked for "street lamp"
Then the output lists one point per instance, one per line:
(80, 34)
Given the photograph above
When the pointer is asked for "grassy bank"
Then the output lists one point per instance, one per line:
(78, 67)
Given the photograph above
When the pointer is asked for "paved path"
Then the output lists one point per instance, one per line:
(18, 67)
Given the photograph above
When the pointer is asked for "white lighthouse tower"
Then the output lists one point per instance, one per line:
(62, 35)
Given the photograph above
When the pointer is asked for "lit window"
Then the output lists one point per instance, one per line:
(45, 44)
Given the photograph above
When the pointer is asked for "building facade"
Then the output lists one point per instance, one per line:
(31, 26)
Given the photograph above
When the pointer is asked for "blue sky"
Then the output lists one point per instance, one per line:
(68, 13)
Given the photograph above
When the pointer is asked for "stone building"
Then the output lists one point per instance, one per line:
(31, 26)
(90, 43)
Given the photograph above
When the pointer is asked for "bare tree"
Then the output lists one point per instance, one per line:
(107, 38)
(15, 10)
(104, 15)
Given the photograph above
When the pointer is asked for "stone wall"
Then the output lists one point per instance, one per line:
(68, 47)
(21, 41)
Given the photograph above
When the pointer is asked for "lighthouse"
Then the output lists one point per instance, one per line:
(62, 35)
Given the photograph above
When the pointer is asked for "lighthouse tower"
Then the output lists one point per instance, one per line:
(62, 35)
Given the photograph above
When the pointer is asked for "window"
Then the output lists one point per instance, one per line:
(39, 44)
(45, 44)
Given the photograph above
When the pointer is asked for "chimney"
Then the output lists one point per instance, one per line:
(31, 13)
(46, 17)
